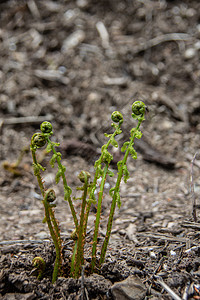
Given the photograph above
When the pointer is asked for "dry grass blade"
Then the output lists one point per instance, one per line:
(167, 288)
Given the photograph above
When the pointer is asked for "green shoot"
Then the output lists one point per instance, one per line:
(138, 109)
(88, 189)
(39, 263)
(39, 140)
(79, 259)
(105, 158)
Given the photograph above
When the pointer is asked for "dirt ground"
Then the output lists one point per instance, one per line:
(73, 63)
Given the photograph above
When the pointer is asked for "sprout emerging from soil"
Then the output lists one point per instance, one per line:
(88, 189)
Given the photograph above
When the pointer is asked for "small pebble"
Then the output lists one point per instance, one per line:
(190, 53)
(42, 235)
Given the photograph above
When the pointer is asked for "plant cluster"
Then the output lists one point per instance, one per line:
(88, 189)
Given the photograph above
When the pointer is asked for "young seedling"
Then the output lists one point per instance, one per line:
(102, 172)
(138, 113)
(79, 247)
(88, 189)
(39, 140)
(39, 263)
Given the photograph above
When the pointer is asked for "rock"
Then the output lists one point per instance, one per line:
(190, 53)
(42, 235)
(97, 284)
(13, 296)
(131, 288)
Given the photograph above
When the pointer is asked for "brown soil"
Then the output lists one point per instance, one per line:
(74, 62)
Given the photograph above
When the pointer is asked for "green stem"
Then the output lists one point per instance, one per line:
(66, 187)
(87, 211)
(56, 240)
(81, 232)
(37, 174)
(50, 218)
(74, 258)
(98, 214)
(56, 227)
(88, 205)
(100, 160)
(97, 222)
(113, 205)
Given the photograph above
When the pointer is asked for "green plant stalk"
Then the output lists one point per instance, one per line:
(88, 205)
(113, 205)
(49, 214)
(56, 227)
(116, 132)
(56, 239)
(37, 174)
(116, 117)
(79, 261)
(97, 172)
(90, 202)
(65, 185)
(98, 215)
(39, 140)
(73, 258)
(87, 211)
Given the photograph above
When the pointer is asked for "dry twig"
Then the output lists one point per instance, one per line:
(193, 225)
(161, 39)
(155, 235)
(167, 288)
(15, 242)
(25, 120)
(103, 34)
(33, 9)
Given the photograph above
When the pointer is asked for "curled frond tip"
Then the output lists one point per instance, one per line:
(117, 117)
(138, 109)
(46, 127)
(38, 140)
